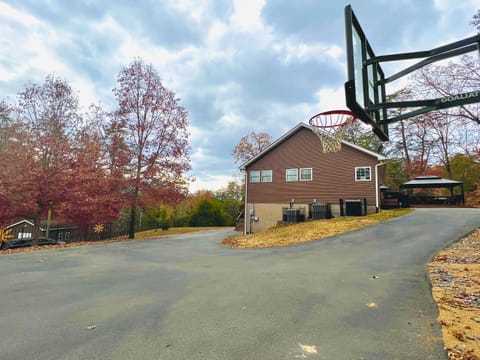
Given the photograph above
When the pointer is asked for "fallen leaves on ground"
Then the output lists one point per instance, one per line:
(174, 231)
(308, 349)
(455, 277)
(284, 235)
(144, 235)
(60, 246)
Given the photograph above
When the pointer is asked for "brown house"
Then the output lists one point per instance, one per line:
(24, 230)
(293, 173)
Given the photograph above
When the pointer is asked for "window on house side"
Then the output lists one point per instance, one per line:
(291, 175)
(255, 176)
(306, 174)
(363, 173)
(266, 176)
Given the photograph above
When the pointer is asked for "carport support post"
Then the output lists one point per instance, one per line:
(342, 213)
(365, 206)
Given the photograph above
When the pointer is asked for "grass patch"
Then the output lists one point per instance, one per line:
(308, 231)
(171, 231)
(384, 215)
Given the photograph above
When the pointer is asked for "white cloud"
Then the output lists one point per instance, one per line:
(87, 92)
(216, 33)
(456, 14)
(449, 6)
(229, 120)
(205, 179)
(191, 8)
(297, 51)
(27, 45)
(247, 15)
(239, 66)
(9, 13)
(200, 137)
(331, 99)
(214, 182)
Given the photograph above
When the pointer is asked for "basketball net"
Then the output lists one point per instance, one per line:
(330, 128)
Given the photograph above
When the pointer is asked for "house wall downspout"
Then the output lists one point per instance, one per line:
(377, 190)
(245, 213)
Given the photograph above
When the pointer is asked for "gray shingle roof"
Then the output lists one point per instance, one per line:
(430, 182)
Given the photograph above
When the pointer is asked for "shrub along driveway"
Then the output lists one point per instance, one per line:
(361, 295)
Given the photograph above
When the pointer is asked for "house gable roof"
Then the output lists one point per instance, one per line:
(18, 223)
(25, 221)
(430, 182)
(292, 132)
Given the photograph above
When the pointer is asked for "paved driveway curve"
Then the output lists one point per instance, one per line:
(187, 297)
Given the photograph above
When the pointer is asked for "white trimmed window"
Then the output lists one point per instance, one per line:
(255, 176)
(363, 173)
(291, 175)
(266, 176)
(306, 174)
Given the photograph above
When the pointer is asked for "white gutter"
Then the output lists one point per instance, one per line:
(377, 190)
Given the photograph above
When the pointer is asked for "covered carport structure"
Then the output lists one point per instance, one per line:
(409, 197)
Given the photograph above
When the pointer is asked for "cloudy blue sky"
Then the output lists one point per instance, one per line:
(237, 65)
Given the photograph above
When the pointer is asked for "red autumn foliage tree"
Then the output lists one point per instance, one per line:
(96, 191)
(459, 125)
(7, 134)
(435, 137)
(94, 195)
(250, 145)
(38, 157)
(453, 130)
(52, 163)
(156, 138)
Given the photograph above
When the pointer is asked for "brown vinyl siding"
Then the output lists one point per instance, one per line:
(333, 173)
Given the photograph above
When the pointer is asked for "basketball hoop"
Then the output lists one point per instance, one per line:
(330, 128)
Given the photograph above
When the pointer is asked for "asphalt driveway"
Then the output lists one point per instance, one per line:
(187, 297)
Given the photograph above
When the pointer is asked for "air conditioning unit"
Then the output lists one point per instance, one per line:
(353, 207)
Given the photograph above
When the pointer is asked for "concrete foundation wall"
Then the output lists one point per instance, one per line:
(269, 215)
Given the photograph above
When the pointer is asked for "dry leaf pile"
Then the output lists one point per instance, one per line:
(284, 235)
(144, 235)
(455, 277)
